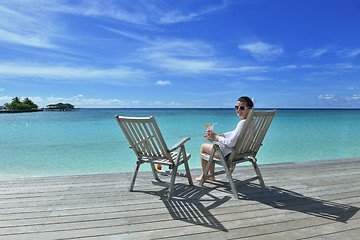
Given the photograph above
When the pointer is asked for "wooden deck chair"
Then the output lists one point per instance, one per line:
(246, 147)
(145, 138)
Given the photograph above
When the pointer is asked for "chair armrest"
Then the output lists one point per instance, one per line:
(180, 143)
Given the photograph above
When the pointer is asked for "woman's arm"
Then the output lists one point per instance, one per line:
(229, 138)
(213, 136)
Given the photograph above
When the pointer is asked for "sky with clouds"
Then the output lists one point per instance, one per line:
(181, 53)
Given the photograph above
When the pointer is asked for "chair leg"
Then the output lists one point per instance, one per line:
(258, 173)
(134, 176)
(230, 178)
(188, 174)
(173, 176)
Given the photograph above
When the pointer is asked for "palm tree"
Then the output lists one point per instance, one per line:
(16, 100)
(15, 104)
(29, 104)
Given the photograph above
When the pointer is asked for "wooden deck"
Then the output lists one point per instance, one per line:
(311, 200)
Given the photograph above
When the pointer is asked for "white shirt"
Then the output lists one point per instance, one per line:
(230, 138)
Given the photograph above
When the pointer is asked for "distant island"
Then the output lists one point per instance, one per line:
(60, 107)
(18, 106)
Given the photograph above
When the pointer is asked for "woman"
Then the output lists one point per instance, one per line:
(243, 106)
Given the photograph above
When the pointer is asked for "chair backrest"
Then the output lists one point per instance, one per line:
(253, 133)
(144, 136)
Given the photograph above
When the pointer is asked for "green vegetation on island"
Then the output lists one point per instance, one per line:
(17, 104)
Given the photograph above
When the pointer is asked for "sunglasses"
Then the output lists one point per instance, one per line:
(242, 108)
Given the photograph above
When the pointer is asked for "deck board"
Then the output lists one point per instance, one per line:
(307, 200)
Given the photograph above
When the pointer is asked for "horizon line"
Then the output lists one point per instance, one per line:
(220, 108)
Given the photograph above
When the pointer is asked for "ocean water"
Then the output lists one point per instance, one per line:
(90, 141)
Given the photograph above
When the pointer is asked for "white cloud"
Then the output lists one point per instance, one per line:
(163, 82)
(257, 78)
(179, 55)
(318, 52)
(82, 101)
(144, 13)
(173, 63)
(4, 99)
(128, 13)
(331, 97)
(131, 35)
(354, 97)
(343, 66)
(327, 97)
(33, 41)
(79, 101)
(28, 23)
(179, 16)
(314, 53)
(164, 104)
(174, 17)
(42, 23)
(262, 51)
(116, 75)
(180, 48)
(189, 57)
(348, 53)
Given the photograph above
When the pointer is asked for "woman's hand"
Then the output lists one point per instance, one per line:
(210, 135)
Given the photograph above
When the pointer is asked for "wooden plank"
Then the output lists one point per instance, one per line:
(310, 200)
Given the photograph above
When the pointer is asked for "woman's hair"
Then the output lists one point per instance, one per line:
(249, 102)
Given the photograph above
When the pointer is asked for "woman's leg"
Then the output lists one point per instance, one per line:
(206, 148)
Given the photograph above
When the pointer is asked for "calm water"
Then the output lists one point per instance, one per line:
(90, 141)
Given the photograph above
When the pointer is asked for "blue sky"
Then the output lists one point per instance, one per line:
(181, 53)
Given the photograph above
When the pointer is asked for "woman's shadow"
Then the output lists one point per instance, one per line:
(193, 204)
(281, 198)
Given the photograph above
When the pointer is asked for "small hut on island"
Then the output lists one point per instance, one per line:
(61, 107)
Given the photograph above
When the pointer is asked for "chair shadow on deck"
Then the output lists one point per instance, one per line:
(191, 204)
(290, 200)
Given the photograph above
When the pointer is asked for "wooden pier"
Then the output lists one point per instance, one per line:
(308, 200)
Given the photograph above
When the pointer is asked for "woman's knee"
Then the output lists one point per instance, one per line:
(202, 147)
(206, 148)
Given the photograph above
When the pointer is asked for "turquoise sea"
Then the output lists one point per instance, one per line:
(90, 141)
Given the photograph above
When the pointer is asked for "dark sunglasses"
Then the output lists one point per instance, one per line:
(242, 108)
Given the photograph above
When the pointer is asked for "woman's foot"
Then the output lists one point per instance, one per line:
(208, 178)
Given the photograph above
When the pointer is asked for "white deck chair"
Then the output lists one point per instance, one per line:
(145, 138)
(247, 146)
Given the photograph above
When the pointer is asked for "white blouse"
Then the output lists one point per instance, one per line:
(230, 138)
